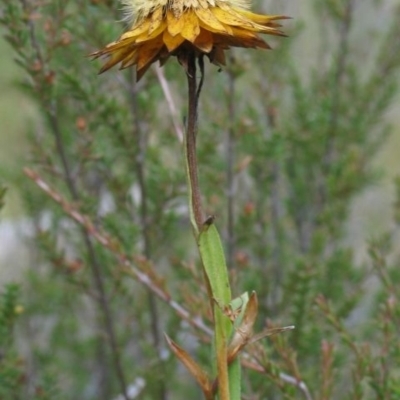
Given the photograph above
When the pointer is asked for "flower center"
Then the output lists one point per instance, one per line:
(138, 9)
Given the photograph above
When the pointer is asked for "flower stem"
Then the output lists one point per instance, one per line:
(211, 252)
(196, 212)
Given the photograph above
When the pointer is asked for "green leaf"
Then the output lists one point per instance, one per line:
(212, 256)
(216, 272)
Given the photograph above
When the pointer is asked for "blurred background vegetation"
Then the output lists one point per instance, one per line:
(298, 150)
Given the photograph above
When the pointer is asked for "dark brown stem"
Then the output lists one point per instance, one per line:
(191, 132)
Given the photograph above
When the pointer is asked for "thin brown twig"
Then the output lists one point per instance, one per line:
(32, 34)
(178, 128)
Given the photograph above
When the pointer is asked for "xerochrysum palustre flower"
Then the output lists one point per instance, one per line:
(164, 28)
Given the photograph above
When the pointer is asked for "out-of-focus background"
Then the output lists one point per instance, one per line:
(371, 209)
(308, 204)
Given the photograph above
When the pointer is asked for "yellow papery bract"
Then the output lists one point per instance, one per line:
(116, 57)
(259, 18)
(147, 53)
(209, 20)
(130, 60)
(229, 17)
(164, 28)
(172, 42)
(217, 56)
(145, 36)
(156, 19)
(244, 40)
(204, 41)
(175, 25)
(191, 28)
(137, 30)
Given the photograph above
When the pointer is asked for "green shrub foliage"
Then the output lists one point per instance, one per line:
(286, 142)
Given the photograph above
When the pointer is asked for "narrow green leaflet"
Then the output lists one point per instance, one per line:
(212, 255)
(238, 306)
(216, 272)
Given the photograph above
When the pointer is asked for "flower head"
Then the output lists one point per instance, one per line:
(164, 28)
